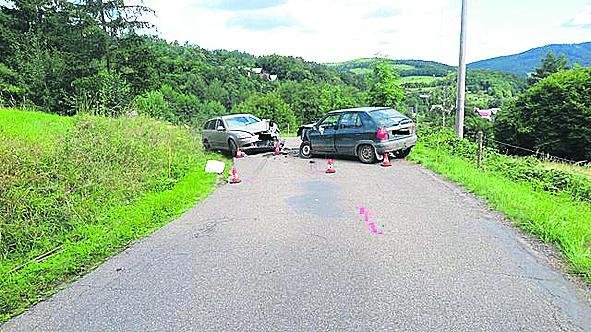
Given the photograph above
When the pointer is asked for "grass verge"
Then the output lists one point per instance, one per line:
(555, 218)
(78, 193)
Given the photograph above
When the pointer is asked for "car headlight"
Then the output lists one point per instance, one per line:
(244, 136)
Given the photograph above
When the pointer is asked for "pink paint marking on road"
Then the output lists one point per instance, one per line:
(367, 215)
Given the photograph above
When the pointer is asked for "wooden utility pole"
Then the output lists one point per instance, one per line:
(462, 74)
(480, 148)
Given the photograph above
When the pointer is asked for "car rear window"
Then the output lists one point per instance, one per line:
(387, 117)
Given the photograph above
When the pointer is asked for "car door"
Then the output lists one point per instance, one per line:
(207, 133)
(219, 136)
(350, 131)
(322, 135)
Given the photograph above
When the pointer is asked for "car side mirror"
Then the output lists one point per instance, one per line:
(220, 128)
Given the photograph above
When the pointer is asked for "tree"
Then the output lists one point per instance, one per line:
(549, 65)
(268, 106)
(101, 94)
(384, 88)
(552, 116)
(116, 18)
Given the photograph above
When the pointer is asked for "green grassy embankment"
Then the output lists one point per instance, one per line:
(554, 204)
(77, 190)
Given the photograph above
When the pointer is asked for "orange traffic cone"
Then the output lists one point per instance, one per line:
(276, 152)
(330, 169)
(239, 153)
(235, 179)
(386, 162)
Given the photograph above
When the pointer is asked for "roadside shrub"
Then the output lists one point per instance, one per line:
(101, 94)
(268, 106)
(552, 115)
(524, 169)
(152, 104)
(169, 105)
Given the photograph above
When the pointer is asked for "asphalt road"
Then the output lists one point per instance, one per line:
(287, 250)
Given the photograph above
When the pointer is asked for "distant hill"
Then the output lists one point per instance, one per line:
(405, 67)
(526, 62)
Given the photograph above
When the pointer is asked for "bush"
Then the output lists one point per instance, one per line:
(170, 105)
(268, 106)
(552, 116)
(101, 94)
(524, 169)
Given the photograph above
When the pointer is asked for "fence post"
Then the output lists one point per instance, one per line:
(480, 148)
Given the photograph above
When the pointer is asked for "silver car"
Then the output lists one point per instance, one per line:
(244, 131)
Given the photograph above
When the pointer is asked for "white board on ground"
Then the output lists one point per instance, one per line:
(214, 166)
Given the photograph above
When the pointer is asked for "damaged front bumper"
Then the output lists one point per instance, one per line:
(261, 141)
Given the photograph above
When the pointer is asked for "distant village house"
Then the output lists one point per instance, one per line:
(261, 73)
(486, 114)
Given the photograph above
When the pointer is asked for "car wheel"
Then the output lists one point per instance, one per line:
(306, 150)
(401, 154)
(232, 148)
(366, 154)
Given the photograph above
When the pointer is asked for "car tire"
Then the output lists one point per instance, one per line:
(366, 154)
(401, 154)
(306, 150)
(232, 148)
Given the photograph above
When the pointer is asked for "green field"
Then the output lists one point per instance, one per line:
(552, 204)
(361, 71)
(427, 80)
(77, 190)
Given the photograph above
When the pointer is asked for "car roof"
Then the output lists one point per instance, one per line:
(230, 116)
(359, 109)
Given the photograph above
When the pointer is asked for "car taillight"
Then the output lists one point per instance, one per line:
(382, 134)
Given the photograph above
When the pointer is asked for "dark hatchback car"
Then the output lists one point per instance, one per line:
(367, 133)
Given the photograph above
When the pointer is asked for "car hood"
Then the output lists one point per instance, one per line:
(258, 128)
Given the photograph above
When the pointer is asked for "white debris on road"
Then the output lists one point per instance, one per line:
(214, 166)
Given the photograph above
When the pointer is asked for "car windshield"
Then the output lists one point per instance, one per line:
(387, 117)
(241, 121)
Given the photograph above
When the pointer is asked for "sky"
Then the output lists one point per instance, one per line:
(340, 30)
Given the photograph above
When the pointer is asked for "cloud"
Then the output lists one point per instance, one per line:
(324, 31)
(260, 22)
(241, 4)
(383, 12)
(581, 20)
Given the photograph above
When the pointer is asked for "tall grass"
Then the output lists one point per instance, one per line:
(552, 204)
(74, 191)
